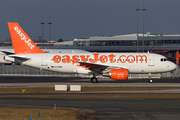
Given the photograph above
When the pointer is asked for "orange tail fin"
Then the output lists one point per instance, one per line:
(22, 43)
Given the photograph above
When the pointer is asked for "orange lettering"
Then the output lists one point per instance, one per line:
(57, 59)
(75, 59)
(111, 58)
(95, 58)
(83, 57)
(141, 56)
(66, 59)
(129, 60)
(103, 58)
(121, 60)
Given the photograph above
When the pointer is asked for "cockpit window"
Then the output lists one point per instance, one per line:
(164, 59)
(167, 59)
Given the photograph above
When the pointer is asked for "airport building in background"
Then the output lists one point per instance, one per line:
(166, 45)
(130, 40)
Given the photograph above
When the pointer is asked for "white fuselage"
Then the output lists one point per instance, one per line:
(68, 62)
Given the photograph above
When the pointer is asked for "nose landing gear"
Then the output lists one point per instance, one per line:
(150, 81)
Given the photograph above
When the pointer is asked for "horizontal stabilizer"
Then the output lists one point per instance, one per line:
(7, 53)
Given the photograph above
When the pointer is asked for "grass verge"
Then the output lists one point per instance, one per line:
(10, 113)
(87, 89)
(101, 96)
(51, 89)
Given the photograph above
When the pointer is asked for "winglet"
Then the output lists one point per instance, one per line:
(22, 43)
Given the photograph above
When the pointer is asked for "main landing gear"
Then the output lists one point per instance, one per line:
(94, 80)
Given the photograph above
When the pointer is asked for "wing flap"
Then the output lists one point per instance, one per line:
(100, 67)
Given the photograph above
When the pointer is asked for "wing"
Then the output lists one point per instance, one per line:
(99, 67)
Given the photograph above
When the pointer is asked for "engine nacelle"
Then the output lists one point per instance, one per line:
(118, 74)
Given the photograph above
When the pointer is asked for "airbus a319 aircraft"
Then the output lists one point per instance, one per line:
(117, 66)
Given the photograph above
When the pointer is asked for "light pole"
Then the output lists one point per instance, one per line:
(137, 27)
(49, 29)
(42, 30)
(143, 25)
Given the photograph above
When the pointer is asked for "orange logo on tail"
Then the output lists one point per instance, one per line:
(23, 37)
(22, 43)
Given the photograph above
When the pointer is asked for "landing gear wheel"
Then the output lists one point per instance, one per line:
(150, 81)
(94, 80)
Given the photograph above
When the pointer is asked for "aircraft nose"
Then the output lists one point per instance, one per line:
(173, 66)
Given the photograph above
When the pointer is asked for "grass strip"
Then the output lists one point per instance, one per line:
(51, 89)
(101, 96)
(10, 113)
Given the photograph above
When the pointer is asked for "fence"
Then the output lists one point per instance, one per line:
(19, 70)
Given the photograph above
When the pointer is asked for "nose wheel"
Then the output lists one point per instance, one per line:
(150, 81)
(94, 80)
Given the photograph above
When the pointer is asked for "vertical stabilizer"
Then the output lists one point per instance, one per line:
(22, 43)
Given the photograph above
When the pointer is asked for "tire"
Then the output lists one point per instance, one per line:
(94, 80)
(151, 81)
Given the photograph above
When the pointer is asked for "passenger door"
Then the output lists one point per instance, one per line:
(44, 60)
(151, 60)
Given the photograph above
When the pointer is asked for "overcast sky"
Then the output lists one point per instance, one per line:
(84, 18)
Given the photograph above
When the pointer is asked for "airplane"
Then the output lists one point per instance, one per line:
(117, 66)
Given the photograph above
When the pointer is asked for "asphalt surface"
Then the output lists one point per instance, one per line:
(107, 108)
(36, 79)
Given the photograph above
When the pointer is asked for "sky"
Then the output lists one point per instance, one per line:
(84, 18)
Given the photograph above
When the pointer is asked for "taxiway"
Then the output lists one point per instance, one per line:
(107, 108)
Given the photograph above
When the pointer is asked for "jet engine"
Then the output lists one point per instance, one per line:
(117, 74)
